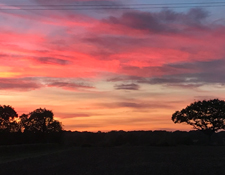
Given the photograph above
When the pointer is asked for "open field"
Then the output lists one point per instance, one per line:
(124, 160)
(9, 153)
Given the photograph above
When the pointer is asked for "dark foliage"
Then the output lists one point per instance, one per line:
(207, 116)
(40, 121)
(38, 126)
(7, 119)
(139, 138)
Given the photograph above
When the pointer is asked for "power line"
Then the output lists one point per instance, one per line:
(76, 9)
(148, 4)
(110, 6)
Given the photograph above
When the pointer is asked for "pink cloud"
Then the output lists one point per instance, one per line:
(108, 65)
(18, 84)
(33, 83)
(164, 38)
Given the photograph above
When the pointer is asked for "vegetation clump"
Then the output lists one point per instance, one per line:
(38, 126)
(206, 116)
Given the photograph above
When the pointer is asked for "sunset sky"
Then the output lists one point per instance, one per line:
(125, 68)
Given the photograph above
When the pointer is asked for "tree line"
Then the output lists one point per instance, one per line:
(38, 126)
(207, 117)
(140, 138)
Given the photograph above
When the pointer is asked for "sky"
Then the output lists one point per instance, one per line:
(129, 67)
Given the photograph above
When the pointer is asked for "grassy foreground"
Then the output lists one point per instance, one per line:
(9, 153)
(124, 160)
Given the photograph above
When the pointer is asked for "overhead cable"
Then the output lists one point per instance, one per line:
(109, 6)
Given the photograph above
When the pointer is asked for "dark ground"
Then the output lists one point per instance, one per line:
(180, 160)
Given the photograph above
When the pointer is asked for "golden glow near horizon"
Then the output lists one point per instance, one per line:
(7, 74)
(129, 70)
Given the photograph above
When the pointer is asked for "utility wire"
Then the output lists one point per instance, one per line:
(110, 6)
(96, 5)
(80, 9)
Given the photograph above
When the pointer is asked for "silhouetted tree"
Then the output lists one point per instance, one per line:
(40, 121)
(7, 119)
(207, 116)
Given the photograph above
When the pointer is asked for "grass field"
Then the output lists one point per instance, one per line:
(20, 152)
(180, 160)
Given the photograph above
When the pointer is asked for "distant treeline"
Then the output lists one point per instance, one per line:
(39, 126)
(114, 138)
(141, 138)
(15, 138)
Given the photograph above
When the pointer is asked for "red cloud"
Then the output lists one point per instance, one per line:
(166, 37)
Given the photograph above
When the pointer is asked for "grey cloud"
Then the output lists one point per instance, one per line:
(193, 23)
(137, 20)
(204, 71)
(196, 16)
(76, 1)
(183, 82)
(137, 105)
(151, 71)
(32, 83)
(65, 83)
(72, 85)
(110, 45)
(81, 4)
(166, 21)
(123, 78)
(199, 73)
(19, 84)
(127, 86)
(50, 60)
(188, 75)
